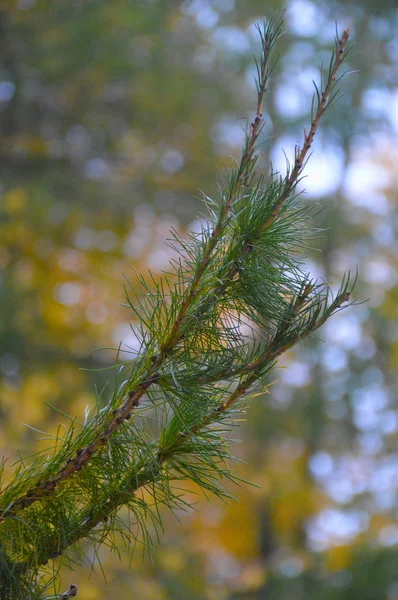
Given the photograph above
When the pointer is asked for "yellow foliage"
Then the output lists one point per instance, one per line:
(38, 388)
(88, 591)
(389, 308)
(238, 528)
(24, 273)
(15, 200)
(338, 557)
(172, 560)
(253, 575)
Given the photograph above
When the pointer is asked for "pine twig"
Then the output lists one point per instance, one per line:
(301, 154)
(195, 365)
(83, 455)
(71, 592)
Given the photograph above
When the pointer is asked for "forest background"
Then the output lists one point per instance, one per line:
(112, 116)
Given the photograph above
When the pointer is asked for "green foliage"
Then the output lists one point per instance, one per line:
(235, 298)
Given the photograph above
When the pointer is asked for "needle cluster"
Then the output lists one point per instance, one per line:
(236, 297)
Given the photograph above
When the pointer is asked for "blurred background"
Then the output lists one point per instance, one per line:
(112, 116)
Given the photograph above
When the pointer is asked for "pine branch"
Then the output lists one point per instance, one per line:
(254, 371)
(337, 59)
(268, 36)
(74, 465)
(233, 302)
